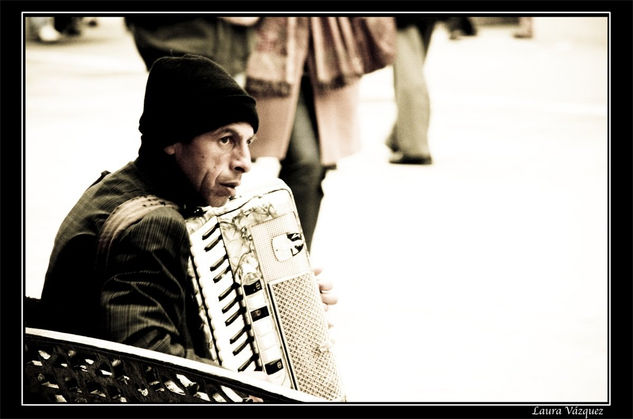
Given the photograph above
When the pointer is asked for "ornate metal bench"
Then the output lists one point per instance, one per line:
(61, 367)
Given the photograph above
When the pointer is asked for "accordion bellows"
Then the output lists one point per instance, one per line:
(259, 301)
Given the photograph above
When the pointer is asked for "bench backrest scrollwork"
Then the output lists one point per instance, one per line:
(61, 367)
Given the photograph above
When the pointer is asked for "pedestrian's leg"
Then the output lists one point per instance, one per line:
(301, 169)
(525, 28)
(43, 29)
(412, 99)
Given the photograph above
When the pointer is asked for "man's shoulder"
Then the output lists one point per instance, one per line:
(168, 216)
(105, 196)
(146, 212)
(116, 188)
(146, 221)
(151, 207)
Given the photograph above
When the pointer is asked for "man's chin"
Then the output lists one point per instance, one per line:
(218, 201)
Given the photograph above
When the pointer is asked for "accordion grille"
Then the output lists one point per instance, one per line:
(299, 310)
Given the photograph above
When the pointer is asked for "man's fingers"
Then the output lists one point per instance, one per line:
(329, 299)
(325, 285)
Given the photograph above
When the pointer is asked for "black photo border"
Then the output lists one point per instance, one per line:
(620, 214)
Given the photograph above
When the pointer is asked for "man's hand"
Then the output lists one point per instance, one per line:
(328, 297)
(241, 20)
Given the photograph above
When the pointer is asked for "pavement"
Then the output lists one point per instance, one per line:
(480, 278)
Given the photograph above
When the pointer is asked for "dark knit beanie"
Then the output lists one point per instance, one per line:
(188, 96)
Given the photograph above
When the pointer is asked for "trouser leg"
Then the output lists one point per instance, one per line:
(301, 169)
(412, 97)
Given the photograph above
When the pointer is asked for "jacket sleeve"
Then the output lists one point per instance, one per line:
(144, 294)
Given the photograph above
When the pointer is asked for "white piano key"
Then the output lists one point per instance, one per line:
(210, 297)
(202, 265)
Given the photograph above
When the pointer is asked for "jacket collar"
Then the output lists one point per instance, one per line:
(165, 179)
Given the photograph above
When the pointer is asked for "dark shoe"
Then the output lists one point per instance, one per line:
(391, 141)
(523, 34)
(393, 147)
(402, 159)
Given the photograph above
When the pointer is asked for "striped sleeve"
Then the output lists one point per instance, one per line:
(144, 292)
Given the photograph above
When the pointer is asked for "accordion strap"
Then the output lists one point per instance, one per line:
(123, 216)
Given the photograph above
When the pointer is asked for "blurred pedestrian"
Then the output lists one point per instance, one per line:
(67, 24)
(50, 29)
(43, 29)
(408, 139)
(225, 40)
(459, 26)
(525, 30)
(304, 73)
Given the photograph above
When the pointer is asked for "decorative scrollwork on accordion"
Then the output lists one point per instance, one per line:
(259, 301)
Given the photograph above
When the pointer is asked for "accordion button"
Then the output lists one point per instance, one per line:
(263, 326)
(267, 341)
(271, 354)
(256, 300)
(259, 313)
(274, 366)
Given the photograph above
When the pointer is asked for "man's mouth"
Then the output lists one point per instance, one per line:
(230, 186)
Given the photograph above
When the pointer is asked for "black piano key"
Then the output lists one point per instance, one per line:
(247, 363)
(208, 233)
(217, 264)
(274, 366)
(219, 276)
(259, 313)
(238, 335)
(213, 243)
(234, 316)
(227, 291)
(243, 345)
(227, 307)
(252, 288)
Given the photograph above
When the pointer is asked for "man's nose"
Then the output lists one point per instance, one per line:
(242, 160)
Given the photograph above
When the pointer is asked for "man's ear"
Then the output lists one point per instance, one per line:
(170, 149)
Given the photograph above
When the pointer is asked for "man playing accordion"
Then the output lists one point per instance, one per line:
(197, 124)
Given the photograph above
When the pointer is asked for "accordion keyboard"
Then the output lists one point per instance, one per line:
(223, 300)
(257, 295)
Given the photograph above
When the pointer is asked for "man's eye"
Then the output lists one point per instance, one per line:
(225, 140)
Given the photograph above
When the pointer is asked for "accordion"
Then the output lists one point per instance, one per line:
(258, 298)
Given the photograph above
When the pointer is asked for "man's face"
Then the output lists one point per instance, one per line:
(215, 161)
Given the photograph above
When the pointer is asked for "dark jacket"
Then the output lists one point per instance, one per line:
(143, 296)
(157, 36)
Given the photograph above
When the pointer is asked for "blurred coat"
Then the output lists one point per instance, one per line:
(285, 47)
(336, 117)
